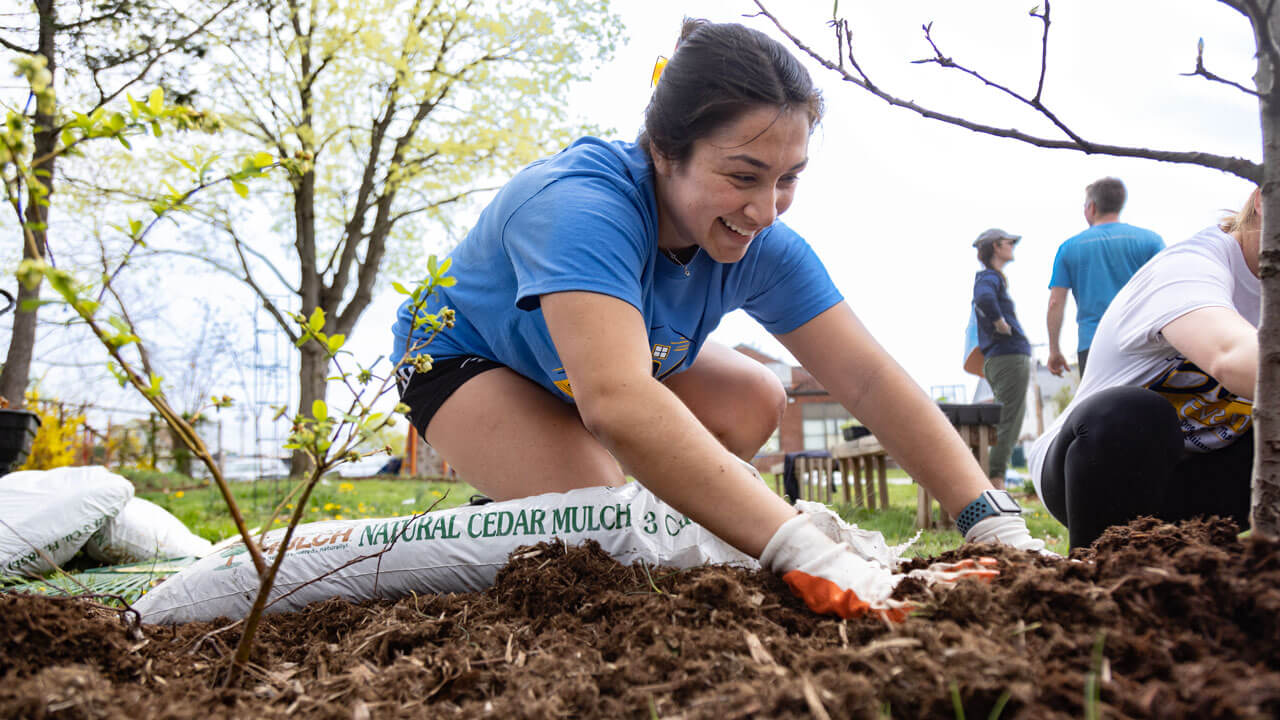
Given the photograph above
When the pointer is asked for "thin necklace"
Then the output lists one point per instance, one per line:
(675, 259)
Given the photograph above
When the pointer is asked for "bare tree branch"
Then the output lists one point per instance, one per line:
(1203, 72)
(16, 48)
(1240, 167)
(1034, 102)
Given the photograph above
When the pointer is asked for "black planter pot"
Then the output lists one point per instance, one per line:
(17, 432)
(973, 414)
(853, 432)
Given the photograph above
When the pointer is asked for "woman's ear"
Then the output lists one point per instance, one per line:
(661, 163)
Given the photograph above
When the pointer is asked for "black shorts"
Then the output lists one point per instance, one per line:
(424, 393)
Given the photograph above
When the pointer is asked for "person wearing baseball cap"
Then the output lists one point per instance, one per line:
(1007, 353)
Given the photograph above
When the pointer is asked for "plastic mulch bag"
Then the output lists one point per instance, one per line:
(56, 511)
(144, 531)
(456, 550)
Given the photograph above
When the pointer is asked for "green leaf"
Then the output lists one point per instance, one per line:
(68, 137)
(118, 323)
(444, 266)
(135, 227)
(431, 265)
(319, 410)
(124, 142)
(134, 108)
(447, 281)
(335, 342)
(399, 288)
(263, 159)
(241, 189)
(155, 101)
(316, 321)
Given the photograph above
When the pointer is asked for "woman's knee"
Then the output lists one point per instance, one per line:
(751, 415)
(741, 403)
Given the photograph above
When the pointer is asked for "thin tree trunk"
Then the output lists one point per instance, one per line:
(314, 367)
(1266, 409)
(17, 363)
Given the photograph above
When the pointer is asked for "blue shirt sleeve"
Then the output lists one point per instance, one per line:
(985, 295)
(790, 285)
(578, 233)
(1155, 246)
(1061, 272)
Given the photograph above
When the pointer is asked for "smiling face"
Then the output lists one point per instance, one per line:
(735, 183)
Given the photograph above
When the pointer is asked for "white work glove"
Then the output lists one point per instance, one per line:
(1008, 530)
(828, 576)
(833, 580)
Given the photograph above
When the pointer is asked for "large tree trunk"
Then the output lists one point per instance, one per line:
(17, 363)
(1266, 406)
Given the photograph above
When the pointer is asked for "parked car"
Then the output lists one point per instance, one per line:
(247, 469)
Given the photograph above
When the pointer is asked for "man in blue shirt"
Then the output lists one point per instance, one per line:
(1094, 265)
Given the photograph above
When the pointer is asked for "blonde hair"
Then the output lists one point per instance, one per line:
(1246, 220)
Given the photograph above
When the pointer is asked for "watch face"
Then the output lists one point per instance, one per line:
(1003, 501)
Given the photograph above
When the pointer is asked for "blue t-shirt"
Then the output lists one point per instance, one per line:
(1095, 264)
(991, 302)
(587, 219)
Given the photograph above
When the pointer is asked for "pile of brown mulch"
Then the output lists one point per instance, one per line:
(1165, 621)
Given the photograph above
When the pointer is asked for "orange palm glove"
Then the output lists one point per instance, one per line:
(828, 576)
(834, 580)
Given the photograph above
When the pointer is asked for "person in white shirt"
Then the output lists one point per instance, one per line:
(1162, 424)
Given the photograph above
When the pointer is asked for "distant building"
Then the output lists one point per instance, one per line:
(812, 419)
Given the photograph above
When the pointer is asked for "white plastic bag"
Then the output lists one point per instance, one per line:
(456, 550)
(144, 531)
(56, 511)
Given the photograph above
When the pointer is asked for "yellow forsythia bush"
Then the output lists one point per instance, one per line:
(55, 442)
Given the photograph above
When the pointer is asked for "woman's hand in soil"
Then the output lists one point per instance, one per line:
(1008, 530)
(828, 576)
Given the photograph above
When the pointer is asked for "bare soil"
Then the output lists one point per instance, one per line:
(1162, 621)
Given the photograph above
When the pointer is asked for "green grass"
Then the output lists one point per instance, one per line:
(335, 498)
(898, 522)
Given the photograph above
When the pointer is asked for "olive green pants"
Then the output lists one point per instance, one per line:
(1008, 375)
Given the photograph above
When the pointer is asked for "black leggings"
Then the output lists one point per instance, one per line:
(1120, 455)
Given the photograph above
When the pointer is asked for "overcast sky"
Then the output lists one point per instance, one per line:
(891, 202)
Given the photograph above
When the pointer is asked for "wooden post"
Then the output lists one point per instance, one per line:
(410, 464)
(856, 471)
(868, 476)
(985, 438)
(883, 473)
(828, 478)
(924, 508)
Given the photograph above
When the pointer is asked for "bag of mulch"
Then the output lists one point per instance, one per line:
(55, 511)
(456, 550)
(144, 531)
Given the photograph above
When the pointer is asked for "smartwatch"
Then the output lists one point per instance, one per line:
(990, 502)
